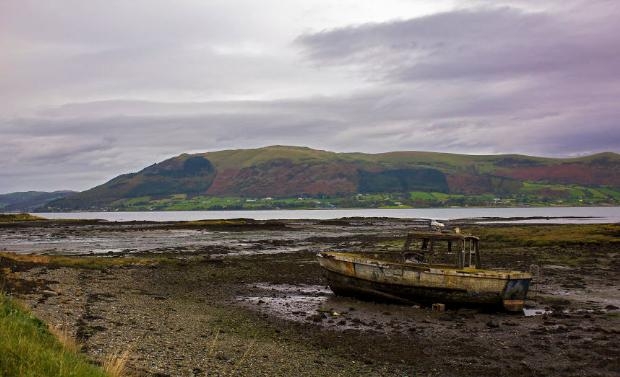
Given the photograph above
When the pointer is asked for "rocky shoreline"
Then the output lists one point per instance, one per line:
(255, 304)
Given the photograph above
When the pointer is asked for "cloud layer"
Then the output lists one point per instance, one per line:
(93, 91)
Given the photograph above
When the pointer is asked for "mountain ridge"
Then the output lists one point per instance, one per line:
(290, 171)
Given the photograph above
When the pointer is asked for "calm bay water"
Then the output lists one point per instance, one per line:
(549, 214)
(117, 239)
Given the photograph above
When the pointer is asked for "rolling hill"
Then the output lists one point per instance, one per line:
(29, 201)
(279, 172)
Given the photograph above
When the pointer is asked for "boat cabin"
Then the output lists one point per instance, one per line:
(443, 248)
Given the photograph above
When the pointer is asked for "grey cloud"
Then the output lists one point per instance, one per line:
(106, 24)
(77, 141)
(529, 78)
(81, 145)
(66, 51)
(473, 44)
(540, 80)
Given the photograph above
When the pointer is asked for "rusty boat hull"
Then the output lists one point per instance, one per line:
(359, 275)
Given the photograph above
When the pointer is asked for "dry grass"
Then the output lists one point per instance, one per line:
(79, 261)
(115, 364)
(29, 258)
(61, 332)
(246, 354)
(212, 348)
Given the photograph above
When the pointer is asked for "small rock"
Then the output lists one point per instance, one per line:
(316, 318)
(524, 363)
(493, 324)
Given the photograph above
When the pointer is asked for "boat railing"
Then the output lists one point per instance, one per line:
(442, 248)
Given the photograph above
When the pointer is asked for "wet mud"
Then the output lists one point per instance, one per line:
(252, 302)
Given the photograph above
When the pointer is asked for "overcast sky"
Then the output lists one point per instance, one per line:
(92, 89)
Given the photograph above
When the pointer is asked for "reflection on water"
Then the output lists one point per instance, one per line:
(534, 312)
(316, 304)
(101, 239)
(97, 241)
(291, 302)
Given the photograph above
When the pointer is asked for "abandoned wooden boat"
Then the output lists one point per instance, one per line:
(434, 267)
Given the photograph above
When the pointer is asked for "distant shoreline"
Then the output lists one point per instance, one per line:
(548, 215)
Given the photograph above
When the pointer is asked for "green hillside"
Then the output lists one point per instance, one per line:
(299, 177)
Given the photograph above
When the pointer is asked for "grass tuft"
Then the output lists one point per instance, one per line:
(64, 337)
(115, 364)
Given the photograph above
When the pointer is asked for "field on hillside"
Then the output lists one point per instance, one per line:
(531, 194)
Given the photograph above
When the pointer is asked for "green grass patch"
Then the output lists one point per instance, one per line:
(615, 194)
(549, 235)
(421, 195)
(529, 194)
(89, 262)
(129, 202)
(14, 217)
(573, 194)
(28, 348)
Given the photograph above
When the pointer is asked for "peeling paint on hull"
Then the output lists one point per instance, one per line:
(353, 274)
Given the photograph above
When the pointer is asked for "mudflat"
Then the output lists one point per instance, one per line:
(247, 298)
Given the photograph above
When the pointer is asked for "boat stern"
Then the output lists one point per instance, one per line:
(513, 296)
